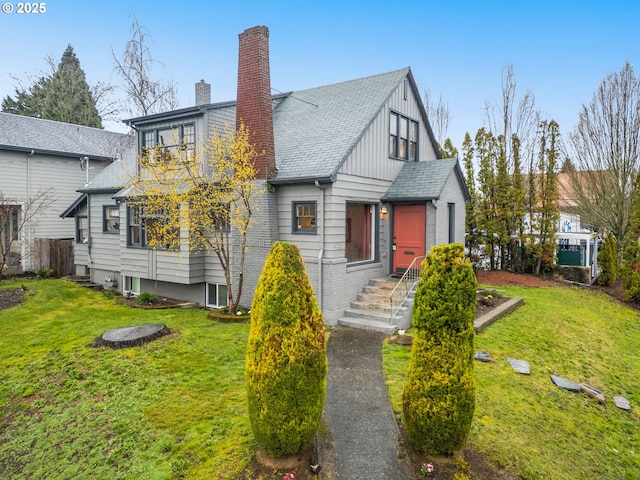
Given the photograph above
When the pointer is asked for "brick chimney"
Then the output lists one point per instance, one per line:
(254, 96)
(203, 93)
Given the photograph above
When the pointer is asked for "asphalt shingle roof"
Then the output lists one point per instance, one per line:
(115, 175)
(421, 180)
(316, 129)
(23, 133)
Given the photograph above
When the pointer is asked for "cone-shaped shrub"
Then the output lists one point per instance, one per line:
(286, 363)
(439, 396)
(608, 262)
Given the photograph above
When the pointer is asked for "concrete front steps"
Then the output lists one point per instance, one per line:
(83, 281)
(372, 309)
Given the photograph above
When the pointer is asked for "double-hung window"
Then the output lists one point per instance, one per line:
(304, 217)
(403, 137)
(111, 219)
(82, 229)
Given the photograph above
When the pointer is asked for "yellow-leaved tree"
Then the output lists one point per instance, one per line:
(198, 202)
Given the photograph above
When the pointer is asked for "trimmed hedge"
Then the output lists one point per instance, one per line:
(439, 396)
(286, 362)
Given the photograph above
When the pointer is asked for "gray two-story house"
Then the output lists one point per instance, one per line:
(46, 157)
(354, 178)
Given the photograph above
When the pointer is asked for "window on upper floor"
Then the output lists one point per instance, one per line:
(403, 137)
(304, 217)
(111, 219)
(169, 143)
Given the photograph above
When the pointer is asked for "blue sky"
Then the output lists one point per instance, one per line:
(560, 50)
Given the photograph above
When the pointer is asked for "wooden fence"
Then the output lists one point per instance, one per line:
(56, 254)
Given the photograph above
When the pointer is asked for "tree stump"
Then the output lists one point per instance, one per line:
(134, 336)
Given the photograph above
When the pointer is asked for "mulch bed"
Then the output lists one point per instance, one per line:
(11, 298)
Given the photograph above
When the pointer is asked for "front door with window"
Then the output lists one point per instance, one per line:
(409, 235)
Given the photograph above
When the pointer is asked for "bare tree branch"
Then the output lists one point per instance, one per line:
(15, 217)
(605, 145)
(146, 96)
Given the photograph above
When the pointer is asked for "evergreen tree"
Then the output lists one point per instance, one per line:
(608, 262)
(286, 364)
(439, 395)
(516, 227)
(471, 221)
(64, 96)
(630, 272)
(549, 210)
(447, 150)
(503, 200)
(486, 153)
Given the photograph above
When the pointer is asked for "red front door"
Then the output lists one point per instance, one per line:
(409, 235)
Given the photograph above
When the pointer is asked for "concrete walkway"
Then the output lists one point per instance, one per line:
(359, 437)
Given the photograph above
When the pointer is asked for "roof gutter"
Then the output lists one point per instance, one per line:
(32, 151)
(302, 180)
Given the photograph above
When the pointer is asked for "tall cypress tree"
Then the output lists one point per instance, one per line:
(64, 96)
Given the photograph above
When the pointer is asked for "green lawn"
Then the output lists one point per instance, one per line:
(174, 408)
(528, 423)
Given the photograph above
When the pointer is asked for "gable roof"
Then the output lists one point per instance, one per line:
(424, 181)
(315, 130)
(21, 133)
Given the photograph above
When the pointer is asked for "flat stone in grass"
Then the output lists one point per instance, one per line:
(564, 383)
(622, 402)
(134, 336)
(482, 356)
(520, 366)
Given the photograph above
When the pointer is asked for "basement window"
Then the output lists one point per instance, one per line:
(217, 295)
(131, 285)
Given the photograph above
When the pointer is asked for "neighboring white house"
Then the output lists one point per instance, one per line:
(577, 245)
(37, 155)
(355, 180)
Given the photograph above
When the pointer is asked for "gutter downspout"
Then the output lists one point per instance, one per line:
(26, 245)
(89, 224)
(321, 251)
(434, 202)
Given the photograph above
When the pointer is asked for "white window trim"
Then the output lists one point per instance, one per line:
(215, 304)
(127, 282)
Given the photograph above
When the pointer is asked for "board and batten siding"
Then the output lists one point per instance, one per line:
(370, 156)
